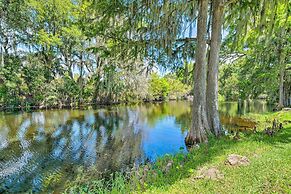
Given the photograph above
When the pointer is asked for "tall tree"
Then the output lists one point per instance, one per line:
(212, 77)
(197, 133)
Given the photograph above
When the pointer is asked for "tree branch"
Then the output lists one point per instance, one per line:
(228, 2)
(191, 40)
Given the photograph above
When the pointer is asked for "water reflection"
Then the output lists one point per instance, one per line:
(243, 107)
(39, 151)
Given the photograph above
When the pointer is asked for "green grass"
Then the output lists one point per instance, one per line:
(269, 170)
(266, 119)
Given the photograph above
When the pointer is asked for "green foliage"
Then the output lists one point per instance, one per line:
(68, 57)
(159, 87)
(229, 82)
(85, 184)
(257, 46)
(12, 83)
(167, 87)
(177, 89)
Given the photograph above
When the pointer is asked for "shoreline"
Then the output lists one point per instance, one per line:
(7, 109)
(12, 109)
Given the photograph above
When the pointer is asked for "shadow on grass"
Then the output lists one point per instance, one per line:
(282, 136)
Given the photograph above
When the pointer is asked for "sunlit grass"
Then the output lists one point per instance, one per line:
(265, 120)
(268, 172)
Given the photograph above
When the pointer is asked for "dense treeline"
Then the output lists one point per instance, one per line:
(60, 53)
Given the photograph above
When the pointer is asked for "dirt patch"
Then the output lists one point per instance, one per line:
(168, 166)
(286, 109)
(237, 160)
(209, 173)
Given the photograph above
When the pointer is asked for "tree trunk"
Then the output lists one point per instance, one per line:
(81, 79)
(197, 133)
(282, 56)
(186, 73)
(287, 91)
(2, 56)
(281, 88)
(212, 78)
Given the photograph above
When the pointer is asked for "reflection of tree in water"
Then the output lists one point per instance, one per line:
(181, 110)
(243, 107)
(157, 111)
(229, 108)
(229, 115)
(107, 139)
(123, 141)
(184, 120)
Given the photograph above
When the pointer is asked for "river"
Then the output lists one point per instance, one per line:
(41, 150)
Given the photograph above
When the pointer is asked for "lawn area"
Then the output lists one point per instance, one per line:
(268, 170)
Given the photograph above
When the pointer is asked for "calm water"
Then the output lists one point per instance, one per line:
(40, 151)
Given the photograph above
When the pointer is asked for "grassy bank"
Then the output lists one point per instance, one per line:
(268, 172)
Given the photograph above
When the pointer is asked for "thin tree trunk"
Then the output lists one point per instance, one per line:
(287, 92)
(186, 73)
(282, 56)
(281, 88)
(81, 79)
(203, 80)
(2, 56)
(197, 133)
(212, 78)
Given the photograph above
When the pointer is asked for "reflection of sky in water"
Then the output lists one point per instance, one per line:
(75, 143)
(164, 138)
(103, 135)
(4, 137)
(90, 149)
(58, 148)
(21, 133)
(90, 118)
(14, 167)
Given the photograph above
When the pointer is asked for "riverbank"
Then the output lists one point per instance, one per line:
(268, 169)
(83, 106)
